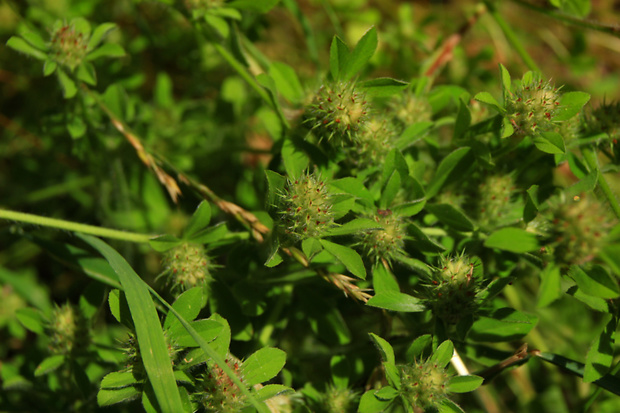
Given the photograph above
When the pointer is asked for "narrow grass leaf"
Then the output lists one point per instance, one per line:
(149, 332)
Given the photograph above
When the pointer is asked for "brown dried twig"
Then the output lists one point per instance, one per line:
(153, 162)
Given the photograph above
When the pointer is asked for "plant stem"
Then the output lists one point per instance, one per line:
(586, 24)
(74, 226)
(512, 37)
(235, 64)
(590, 157)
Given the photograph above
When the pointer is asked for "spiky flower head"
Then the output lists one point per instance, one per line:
(337, 112)
(409, 108)
(532, 107)
(385, 243)
(606, 120)
(187, 266)
(374, 143)
(306, 207)
(493, 200)
(423, 384)
(69, 43)
(337, 400)
(453, 288)
(216, 392)
(68, 330)
(576, 229)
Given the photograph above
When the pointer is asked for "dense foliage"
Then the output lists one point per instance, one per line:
(312, 206)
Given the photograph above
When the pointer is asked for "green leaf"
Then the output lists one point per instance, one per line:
(506, 81)
(386, 393)
(409, 209)
(275, 184)
(33, 37)
(412, 134)
(451, 216)
(86, 73)
(149, 333)
(188, 305)
(571, 104)
(354, 226)
(99, 33)
(369, 403)
(49, 364)
(512, 239)
(258, 6)
(287, 82)
(211, 234)
(464, 384)
(579, 8)
(550, 142)
(49, 67)
(417, 349)
(595, 282)
(32, 319)
(76, 126)
(507, 128)
(390, 190)
(208, 330)
(355, 187)
(229, 13)
(382, 86)
(272, 390)
(295, 161)
(448, 406)
(445, 168)
(384, 281)
(392, 374)
(550, 285)
(462, 122)
(595, 303)
(69, 89)
(386, 350)
(165, 242)
(394, 161)
(601, 354)
(584, 185)
(108, 397)
(396, 301)
(487, 98)
(361, 54)
(505, 324)
(349, 257)
(338, 57)
(199, 221)
(311, 247)
(423, 241)
(106, 50)
(532, 204)
(443, 354)
(118, 379)
(263, 365)
(19, 44)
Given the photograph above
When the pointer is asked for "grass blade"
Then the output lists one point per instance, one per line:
(148, 328)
